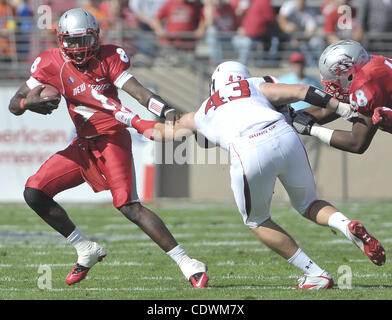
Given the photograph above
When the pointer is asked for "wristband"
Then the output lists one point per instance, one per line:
(21, 104)
(317, 97)
(324, 134)
(156, 105)
(344, 110)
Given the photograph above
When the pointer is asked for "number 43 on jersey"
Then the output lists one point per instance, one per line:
(232, 91)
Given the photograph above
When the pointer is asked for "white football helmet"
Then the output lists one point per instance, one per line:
(338, 64)
(226, 72)
(78, 35)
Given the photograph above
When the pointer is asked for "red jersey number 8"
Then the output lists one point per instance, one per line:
(35, 64)
(360, 99)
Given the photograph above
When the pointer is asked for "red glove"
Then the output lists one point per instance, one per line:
(144, 127)
(383, 117)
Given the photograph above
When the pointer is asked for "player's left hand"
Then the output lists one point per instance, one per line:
(171, 116)
(383, 117)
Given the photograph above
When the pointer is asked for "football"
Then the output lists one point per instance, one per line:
(49, 92)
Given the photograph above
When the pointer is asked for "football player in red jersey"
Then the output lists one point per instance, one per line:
(351, 74)
(89, 75)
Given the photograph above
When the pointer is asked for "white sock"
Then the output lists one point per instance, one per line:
(339, 222)
(78, 239)
(177, 254)
(301, 260)
(76, 236)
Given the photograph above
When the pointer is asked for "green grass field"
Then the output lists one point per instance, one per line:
(240, 268)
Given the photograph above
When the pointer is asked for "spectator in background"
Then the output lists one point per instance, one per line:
(57, 7)
(179, 23)
(221, 22)
(326, 7)
(119, 19)
(47, 38)
(94, 7)
(25, 24)
(145, 12)
(7, 29)
(337, 26)
(300, 27)
(118, 14)
(298, 75)
(258, 25)
(373, 16)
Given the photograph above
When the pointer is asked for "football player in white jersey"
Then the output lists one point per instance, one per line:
(242, 116)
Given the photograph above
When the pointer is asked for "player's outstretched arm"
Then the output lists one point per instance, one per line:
(157, 131)
(356, 141)
(154, 103)
(322, 115)
(183, 127)
(280, 94)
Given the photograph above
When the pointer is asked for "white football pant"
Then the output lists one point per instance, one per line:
(257, 159)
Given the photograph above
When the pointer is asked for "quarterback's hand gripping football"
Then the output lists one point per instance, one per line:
(35, 103)
(303, 122)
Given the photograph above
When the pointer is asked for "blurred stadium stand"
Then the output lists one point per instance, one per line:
(24, 46)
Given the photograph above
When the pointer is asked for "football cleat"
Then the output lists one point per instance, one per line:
(323, 281)
(77, 274)
(195, 271)
(366, 242)
(199, 280)
(87, 257)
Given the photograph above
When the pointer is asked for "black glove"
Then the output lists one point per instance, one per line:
(288, 112)
(303, 122)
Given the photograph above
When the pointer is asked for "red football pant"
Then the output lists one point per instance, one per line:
(62, 171)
